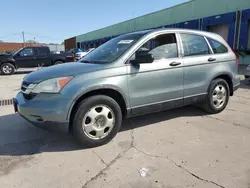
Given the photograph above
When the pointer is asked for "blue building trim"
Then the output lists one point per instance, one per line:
(228, 18)
(245, 18)
(191, 24)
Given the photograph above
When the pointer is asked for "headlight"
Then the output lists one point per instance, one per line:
(51, 86)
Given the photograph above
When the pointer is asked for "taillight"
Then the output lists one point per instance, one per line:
(237, 59)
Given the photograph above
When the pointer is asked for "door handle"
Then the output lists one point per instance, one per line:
(211, 59)
(173, 64)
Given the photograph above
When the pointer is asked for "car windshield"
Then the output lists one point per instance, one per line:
(18, 51)
(113, 49)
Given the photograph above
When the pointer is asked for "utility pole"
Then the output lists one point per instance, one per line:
(23, 39)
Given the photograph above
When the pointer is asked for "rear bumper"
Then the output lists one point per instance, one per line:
(236, 82)
(47, 114)
(236, 87)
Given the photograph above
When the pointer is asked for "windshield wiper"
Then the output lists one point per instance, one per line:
(86, 61)
(94, 62)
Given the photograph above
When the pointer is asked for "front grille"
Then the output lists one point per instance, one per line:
(24, 86)
(27, 96)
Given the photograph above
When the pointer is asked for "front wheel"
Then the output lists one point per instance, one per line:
(7, 69)
(97, 120)
(217, 97)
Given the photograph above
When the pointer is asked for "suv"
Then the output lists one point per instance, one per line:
(133, 74)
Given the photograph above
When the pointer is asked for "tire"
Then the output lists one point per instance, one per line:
(58, 62)
(246, 77)
(97, 120)
(7, 69)
(213, 103)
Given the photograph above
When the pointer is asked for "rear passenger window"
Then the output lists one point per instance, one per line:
(42, 51)
(194, 45)
(217, 47)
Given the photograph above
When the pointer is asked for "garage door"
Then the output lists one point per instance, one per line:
(219, 24)
(222, 30)
(248, 38)
(244, 40)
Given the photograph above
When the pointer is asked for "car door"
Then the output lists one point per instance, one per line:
(25, 58)
(43, 57)
(197, 56)
(158, 85)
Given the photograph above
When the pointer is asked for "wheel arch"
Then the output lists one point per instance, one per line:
(228, 78)
(53, 62)
(112, 92)
(11, 62)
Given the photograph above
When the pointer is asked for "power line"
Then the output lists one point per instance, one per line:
(42, 36)
(22, 34)
(11, 35)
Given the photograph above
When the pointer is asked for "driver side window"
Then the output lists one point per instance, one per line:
(27, 52)
(162, 47)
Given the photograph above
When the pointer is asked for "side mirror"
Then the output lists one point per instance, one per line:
(143, 56)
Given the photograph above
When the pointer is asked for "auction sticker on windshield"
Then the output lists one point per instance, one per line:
(125, 41)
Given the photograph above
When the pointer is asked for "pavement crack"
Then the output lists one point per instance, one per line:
(102, 161)
(244, 103)
(108, 165)
(234, 124)
(179, 166)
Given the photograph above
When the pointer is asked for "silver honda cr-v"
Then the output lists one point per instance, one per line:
(130, 75)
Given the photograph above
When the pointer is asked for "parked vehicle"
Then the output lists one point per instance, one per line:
(247, 72)
(131, 75)
(80, 55)
(31, 57)
(75, 50)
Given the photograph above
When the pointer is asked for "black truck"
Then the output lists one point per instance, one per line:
(28, 57)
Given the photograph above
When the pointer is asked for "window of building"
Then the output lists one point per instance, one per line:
(217, 46)
(194, 45)
(162, 47)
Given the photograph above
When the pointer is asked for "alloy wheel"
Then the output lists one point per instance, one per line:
(98, 122)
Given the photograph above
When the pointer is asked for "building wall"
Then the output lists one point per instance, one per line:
(70, 43)
(193, 9)
(8, 46)
(56, 47)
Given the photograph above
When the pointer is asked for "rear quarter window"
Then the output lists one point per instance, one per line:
(194, 45)
(217, 46)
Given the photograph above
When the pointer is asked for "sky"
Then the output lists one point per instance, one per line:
(52, 21)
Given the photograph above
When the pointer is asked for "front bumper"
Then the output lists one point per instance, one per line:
(47, 111)
(77, 58)
(247, 71)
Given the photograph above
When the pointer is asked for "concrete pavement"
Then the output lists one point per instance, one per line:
(178, 148)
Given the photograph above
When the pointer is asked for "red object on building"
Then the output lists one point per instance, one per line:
(70, 43)
(12, 46)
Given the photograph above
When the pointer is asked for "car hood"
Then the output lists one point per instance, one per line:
(63, 70)
(4, 56)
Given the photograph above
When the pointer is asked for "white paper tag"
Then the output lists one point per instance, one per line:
(125, 41)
